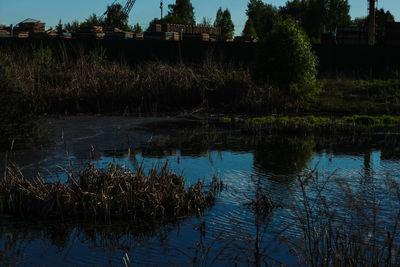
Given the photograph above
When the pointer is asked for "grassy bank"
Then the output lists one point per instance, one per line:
(37, 81)
(359, 96)
(311, 123)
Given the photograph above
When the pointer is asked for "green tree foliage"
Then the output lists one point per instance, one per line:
(182, 12)
(218, 17)
(297, 9)
(337, 14)
(91, 21)
(116, 18)
(382, 17)
(206, 22)
(59, 27)
(285, 59)
(263, 16)
(223, 20)
(318, 16)
(157, 21)
(72, 27)
(137, 29)
(249, 30)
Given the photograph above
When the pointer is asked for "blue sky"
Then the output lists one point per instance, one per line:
(50, 11)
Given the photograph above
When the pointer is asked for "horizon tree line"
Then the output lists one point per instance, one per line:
(182, 12)
(314, 16)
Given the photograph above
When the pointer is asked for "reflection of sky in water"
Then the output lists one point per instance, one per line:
(236, 169)
(331, 162)
(194, 168)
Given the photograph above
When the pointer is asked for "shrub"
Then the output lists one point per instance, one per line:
(286, 60)
(15, 105)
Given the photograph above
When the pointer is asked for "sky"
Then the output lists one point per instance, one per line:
(51, 11)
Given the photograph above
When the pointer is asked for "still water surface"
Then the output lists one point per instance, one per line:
(198, 150)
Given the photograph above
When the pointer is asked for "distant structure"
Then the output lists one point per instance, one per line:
(367, 32)
(128, 7)
(161, 7)
(176, 32)
(5, 31)
(30, 28)
(371, 22)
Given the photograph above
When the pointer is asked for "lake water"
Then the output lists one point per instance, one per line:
(227, 233)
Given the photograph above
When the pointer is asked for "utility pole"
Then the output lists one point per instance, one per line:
(371, 22)
(161, 7)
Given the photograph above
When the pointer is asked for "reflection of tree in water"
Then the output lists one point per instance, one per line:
(193, 143)
(391, 147)
(17, 237)
(283, 155)
(276, 154)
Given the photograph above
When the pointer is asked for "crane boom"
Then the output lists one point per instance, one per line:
(128, 7)
(125, 10)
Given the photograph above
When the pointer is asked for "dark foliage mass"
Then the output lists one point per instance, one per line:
(317, 17)
(286, 60)
(182, 12)
(223, 20)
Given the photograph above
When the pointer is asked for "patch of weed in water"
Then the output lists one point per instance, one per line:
(105, 194)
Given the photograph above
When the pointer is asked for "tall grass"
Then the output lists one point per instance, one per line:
(359, 96)
(365, 235)
(15, 103)
(353, 229)
(92, 83)
(104, 195)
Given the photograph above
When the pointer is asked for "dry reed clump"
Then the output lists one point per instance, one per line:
(102, 195)
(165, 87)
(149, 87)
(92, 83)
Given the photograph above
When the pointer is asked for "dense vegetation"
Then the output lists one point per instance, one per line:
(94, 84)
(103, 195)
(38, 81)
(314, 16)
(283, 82)
(114, 18)
(285, 59)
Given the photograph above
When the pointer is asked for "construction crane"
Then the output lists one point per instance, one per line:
(128, 7)
(125, 10)
(371, 22)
